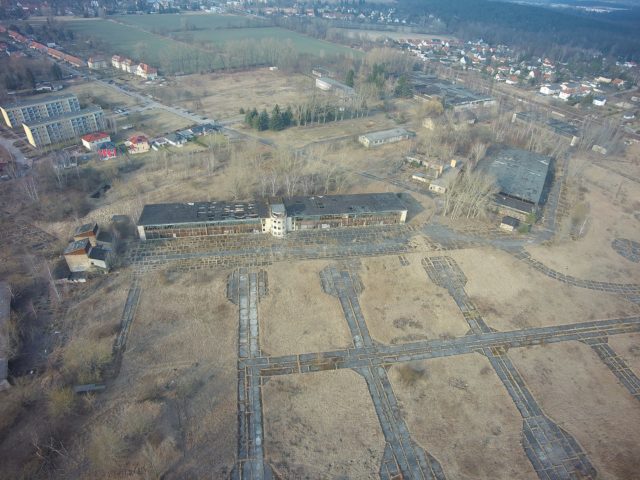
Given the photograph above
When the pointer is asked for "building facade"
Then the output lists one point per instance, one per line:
(64, 127)
(92, 141)
(376, 139)
(277, 216)
(39, 108)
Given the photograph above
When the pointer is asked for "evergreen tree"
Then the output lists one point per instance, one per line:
(350, 80)
(263, 120)
(403, 88)
(275, 121)
(30, 79)
(56, 72)
(287, 117)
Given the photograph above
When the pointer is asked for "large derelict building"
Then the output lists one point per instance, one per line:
(276, 216)
(32, 110)
(521, 177)
(64, 127)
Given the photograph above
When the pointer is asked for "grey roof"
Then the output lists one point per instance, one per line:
(98, 253)
(520, 174)
(86, 228)
(77, 245)
(201, 212)
(385, 134)
(57, 118)
(336, 84)
(343, 204)
(507, 220)
(451, 93)
(558, 126)
(39, 100)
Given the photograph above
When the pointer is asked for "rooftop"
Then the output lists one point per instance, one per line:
(451, 93)
(76, 246)
(86, 228)
(520, 174)
(92, 137)
(343, 204)
(39, 100)
(98, 253)
(79, 113)
(384, 134)
(196, 212)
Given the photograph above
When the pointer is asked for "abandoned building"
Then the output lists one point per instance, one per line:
(80, 256)
(276, 216)
(452, 95)
(375, 139)
(92, 232)
(521, 176)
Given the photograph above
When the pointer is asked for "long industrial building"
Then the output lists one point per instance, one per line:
(276, 216)
(32, 110)
(64, 127)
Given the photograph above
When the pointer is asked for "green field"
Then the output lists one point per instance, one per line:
(172, 42)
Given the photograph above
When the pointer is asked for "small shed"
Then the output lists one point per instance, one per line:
(509, 224)
(77, 255)
(88, 231)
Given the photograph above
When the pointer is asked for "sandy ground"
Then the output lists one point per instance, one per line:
(297, 316)
(511, 295)
(628, 348)
(322, 425)
(582, 396)
(613, 200)
(401, 304)
(459, 411)
(179, 367)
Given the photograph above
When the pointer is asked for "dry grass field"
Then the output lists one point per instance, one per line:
(97, 92)
(458, 410)
(511, 295)
(401, 304)
(582, 396)
(322, 425)
(297, 316)
(172, 408)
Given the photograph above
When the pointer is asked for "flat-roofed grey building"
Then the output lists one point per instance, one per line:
(64, 127)
(38, 108)
(376, 139)
(521, 176)
(276, 216)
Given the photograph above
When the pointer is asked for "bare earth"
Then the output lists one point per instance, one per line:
(581, 395)
(459, 411)
(322, 425)
(628, 347)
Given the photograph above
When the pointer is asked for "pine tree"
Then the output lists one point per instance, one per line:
(350, 80)
(263, 120)
(275, 122)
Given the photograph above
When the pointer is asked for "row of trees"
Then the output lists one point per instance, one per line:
(278, 120)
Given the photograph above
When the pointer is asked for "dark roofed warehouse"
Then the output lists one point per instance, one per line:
(521, 175)
(276, 216)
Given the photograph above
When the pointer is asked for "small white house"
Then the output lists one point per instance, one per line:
(599, 101)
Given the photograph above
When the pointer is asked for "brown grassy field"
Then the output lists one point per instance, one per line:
(322, 425)
(511, 295)
(460, 412)
(401, 304)
(297, 316)
(582, 396)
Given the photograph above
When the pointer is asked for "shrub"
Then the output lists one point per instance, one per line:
(61, 402)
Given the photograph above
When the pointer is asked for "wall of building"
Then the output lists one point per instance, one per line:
(199, 230)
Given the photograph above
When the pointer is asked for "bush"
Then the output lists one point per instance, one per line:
(85, 360)
(61, 402)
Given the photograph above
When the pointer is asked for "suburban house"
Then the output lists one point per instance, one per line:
(92, 141)
(599, 101)
(376, 139)
(175, 140)
(96, 63)
(107, 150)
(276, 216)
(145, 71)
(138, 144)
(550, 89)
(140, 69)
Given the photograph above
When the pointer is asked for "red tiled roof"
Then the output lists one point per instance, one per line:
(138, 139)
(93, 137)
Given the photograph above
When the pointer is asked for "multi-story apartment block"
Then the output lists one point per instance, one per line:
(39, 108)
(64, 127)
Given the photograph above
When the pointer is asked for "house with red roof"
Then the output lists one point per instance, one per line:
(92, 141)
(107, 150)
(138, 144)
